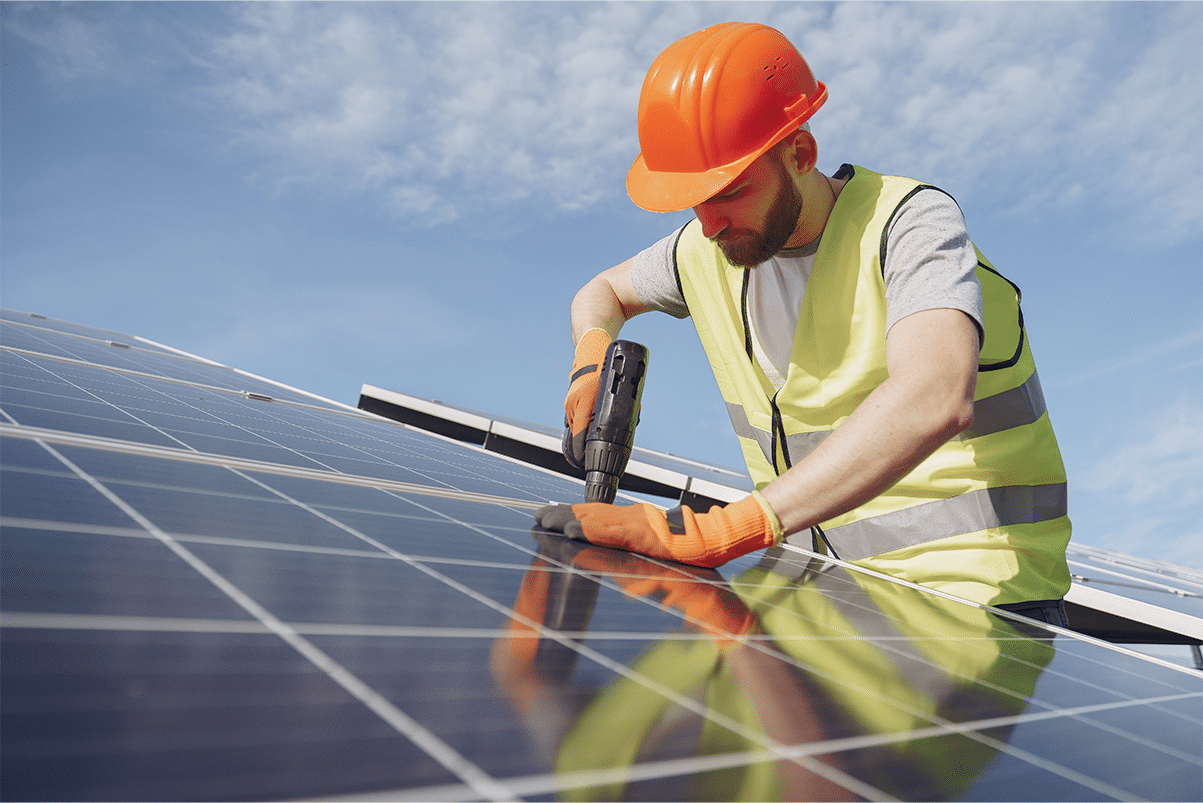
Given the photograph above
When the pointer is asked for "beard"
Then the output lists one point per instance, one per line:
(750, 248)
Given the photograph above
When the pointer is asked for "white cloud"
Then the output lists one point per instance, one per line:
(1176, 354)
(1047, 103)
(1144, 495)
(476, 106)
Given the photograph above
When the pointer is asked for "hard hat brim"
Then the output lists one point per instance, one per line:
(671, 192)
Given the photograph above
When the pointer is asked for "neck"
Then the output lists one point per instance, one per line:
(818, 199)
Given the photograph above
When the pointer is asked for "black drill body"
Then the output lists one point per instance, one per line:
(611, 433)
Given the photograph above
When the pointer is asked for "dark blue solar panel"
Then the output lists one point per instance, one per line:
(207, 595)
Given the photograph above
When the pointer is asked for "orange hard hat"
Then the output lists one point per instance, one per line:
(711, 104)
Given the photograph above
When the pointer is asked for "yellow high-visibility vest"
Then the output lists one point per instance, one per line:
(985, 516)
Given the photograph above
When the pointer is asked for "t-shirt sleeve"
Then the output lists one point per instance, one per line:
(930, 260)
(654, 277)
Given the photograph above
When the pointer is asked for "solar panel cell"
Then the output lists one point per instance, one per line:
(232, 598)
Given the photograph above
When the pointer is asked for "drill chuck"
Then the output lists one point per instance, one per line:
(611, 434)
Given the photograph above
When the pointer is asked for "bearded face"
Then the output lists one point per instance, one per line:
(747, 248)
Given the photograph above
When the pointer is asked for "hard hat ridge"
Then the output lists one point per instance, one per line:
(711, 103)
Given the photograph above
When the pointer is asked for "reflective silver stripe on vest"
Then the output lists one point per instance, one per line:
(1012, 408)
(744, 429)
(799, 445)
(944, 518)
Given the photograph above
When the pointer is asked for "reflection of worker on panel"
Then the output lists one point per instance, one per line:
(780, 663)
(874, 363)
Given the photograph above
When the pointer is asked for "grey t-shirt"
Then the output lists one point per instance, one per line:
(930, 264)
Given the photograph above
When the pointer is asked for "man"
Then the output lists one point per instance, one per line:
(874, 364)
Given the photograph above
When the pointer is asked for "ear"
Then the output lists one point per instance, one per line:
(802, 152)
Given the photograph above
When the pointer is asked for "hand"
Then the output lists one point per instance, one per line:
(582, 392)
(702, 539)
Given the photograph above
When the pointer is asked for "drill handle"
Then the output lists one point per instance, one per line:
(611, 433)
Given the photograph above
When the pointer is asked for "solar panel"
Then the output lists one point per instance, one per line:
(1115, 597)
(213, 586)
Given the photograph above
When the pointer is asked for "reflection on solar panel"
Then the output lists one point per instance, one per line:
(216, 587)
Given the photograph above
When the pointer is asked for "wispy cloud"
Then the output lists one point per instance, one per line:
(440, 110)
(1145, 492)
(1179, 353)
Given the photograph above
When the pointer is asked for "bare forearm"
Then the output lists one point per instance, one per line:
(927, 400)
(867, 454)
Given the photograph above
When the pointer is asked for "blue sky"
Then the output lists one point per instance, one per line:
(409, 194)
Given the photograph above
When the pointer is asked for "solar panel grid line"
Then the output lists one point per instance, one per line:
(969, 729)
(234, 424)
(879, 639)
(78, 361)
(190, 455)
(1061, 631)
(315, 403)
(833, 775)
(146, 624)
(383, 419)
(651, 770)
(143, 343)
(830, 746)
(374, 701)
(472, 554)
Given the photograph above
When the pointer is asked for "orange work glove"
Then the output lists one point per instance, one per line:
(702, 539)
(582, 392)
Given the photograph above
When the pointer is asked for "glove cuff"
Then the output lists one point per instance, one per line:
(773, 522)
(590, 349)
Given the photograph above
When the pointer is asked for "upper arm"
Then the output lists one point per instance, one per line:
(929, 260)
(933, 354)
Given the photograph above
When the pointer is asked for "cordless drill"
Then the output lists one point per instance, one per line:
(611, 433)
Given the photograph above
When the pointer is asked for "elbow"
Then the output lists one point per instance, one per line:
(957, 416)
(947, 417)
(961, 418)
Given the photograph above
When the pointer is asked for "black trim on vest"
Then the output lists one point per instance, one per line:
(743, 309)
(995, 366)
(779, 437)
(885, 231)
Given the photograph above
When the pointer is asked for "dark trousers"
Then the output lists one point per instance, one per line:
(1049, 611)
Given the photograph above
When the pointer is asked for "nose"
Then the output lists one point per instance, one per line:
(713, 221)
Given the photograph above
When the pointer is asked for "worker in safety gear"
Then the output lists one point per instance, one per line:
(766, 667)
(874, 363)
